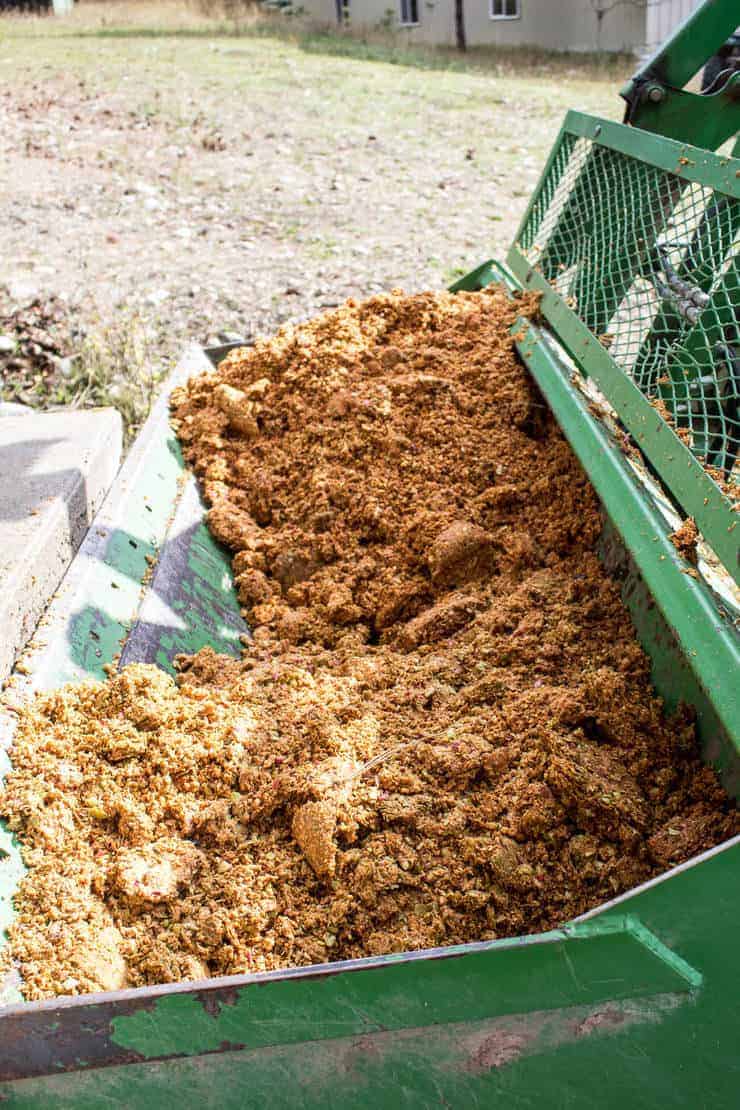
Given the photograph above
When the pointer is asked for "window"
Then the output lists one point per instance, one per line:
(505, 9)
(409, 12)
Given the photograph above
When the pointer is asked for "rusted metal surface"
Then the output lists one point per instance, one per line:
(380, 997)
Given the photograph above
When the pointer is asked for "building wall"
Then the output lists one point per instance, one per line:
(558, 25)
(632, 25)
(664, 17)
(552, 24)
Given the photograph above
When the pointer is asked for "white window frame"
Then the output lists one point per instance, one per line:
(497, 18)
(401, 22)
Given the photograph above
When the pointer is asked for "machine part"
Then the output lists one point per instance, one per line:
(613, 203)
(724, 408)
(687, 294)
(656, 96)
(720, 67)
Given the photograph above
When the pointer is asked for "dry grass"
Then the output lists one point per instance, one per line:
(118, 364)
(189, 173)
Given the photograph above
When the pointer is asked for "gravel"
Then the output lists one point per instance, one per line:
(209, 187)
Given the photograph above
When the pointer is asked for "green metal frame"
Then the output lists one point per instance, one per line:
(706, 640)
(692, 487)
(656, 98)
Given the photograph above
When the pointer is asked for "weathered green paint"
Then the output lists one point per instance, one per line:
(564, 968)
(97, 631)
(704, 120)
(194, 582)
(483, 275)
(123, 558)
(689, 162)
(671, 671)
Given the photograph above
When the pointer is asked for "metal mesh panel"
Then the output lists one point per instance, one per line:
(649, 262)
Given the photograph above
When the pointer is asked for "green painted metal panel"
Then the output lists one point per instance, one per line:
(483, 275)
(684, 475)
(706, 120)
(463, 1039)
(596, 962)
(691, 163)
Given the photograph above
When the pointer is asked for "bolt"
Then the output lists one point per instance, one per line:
(656, 93)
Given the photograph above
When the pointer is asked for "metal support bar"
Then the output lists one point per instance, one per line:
(689, 162)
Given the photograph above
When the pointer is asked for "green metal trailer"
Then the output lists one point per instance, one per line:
(632, 239)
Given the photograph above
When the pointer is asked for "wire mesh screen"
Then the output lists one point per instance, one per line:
(649, 262)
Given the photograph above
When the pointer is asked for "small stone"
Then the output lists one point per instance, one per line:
(65, 367)
(157, 297)
(22, 293)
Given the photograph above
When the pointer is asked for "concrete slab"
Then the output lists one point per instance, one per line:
(55, 470)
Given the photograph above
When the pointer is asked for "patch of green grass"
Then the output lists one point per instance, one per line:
(228, 21)
(484, 59)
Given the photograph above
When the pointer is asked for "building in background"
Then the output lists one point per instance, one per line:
(37, 7)
(634, 26)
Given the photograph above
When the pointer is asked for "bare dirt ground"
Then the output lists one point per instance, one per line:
(168, 182)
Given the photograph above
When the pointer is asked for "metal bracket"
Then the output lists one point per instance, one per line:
(656, 98)
(706, 121)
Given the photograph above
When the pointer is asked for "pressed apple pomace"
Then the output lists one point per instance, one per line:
(443, 730)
